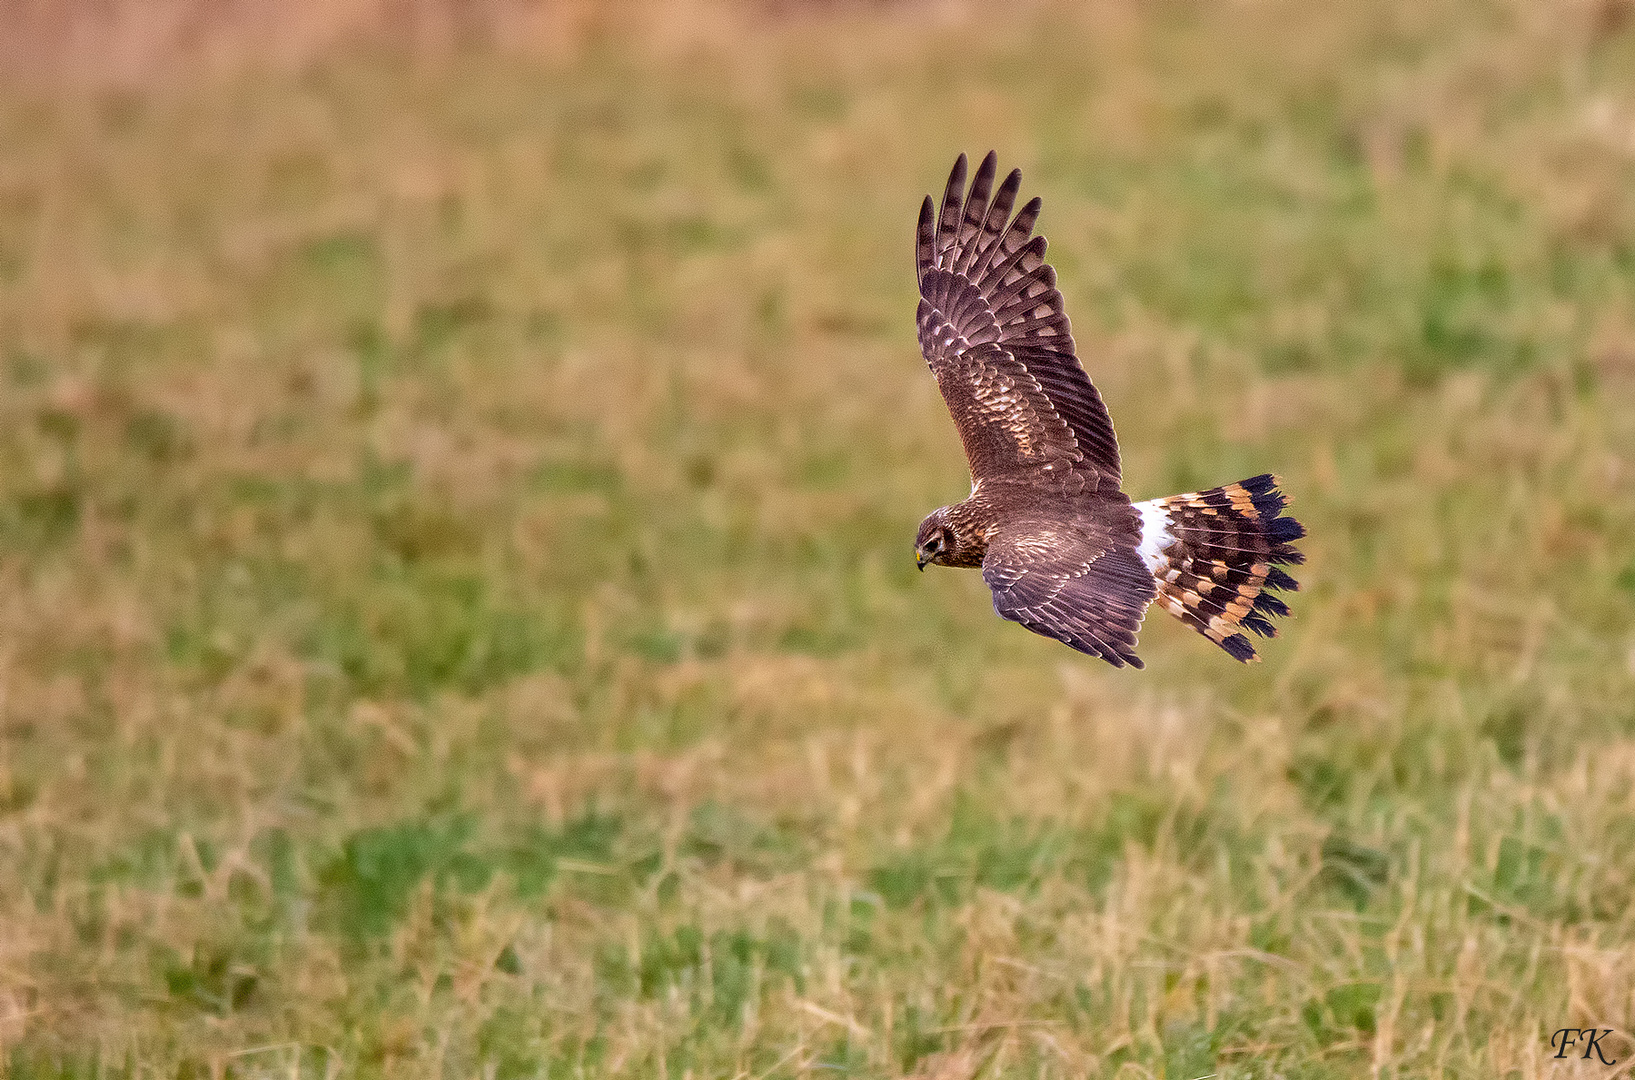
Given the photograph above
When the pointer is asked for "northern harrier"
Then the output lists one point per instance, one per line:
(1064, 550)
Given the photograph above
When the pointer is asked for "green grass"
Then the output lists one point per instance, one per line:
(457, 609)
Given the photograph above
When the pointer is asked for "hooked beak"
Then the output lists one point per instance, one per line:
(919, 560)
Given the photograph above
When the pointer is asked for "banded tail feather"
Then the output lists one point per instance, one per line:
(1216, 556)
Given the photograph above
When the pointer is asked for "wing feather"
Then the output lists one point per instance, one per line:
(993, 226)
(993, 329)
(1073, 582)
(999, 266)
(976, 214)
(952, 211)
(925, 242)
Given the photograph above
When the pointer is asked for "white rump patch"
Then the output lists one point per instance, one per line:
(1155, 535)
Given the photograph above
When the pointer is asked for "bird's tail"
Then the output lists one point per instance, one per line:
(1216, 555)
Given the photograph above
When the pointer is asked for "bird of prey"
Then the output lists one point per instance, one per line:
(1065, 551)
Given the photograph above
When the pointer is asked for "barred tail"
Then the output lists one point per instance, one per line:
(1216, 553)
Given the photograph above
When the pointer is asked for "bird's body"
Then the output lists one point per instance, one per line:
(976, 520)
(1065, 551)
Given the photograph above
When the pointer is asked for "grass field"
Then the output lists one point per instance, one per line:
(457, 607)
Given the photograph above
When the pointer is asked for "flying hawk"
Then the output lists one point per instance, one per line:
(1065, 551)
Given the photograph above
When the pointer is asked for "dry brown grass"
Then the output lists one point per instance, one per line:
(455, 605)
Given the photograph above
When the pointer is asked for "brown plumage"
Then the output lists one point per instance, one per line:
(1064, 550)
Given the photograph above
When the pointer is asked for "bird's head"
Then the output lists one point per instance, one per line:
(937, 540)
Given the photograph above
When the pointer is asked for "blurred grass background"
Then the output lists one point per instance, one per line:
(458, 470)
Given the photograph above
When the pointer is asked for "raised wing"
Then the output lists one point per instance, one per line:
(1062, 581)
(993, 330)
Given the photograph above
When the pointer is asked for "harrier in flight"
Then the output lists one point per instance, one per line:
(1065, 551)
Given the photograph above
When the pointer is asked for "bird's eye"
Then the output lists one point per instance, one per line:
(934, 545)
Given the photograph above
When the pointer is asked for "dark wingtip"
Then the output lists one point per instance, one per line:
(1264, 494)
(976, 202)
(1259, 624)
(1269, 504)
(1277, 579)
(1271, 605)
(925, 241)
(956, 176)
(985, 172)
(1284, 530)
(1237, 646)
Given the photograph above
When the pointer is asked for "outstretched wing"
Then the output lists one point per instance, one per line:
(1075, 584)
(993, 330)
